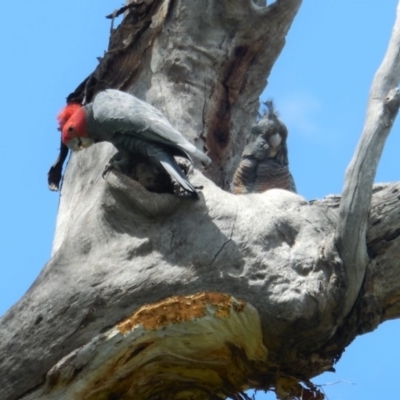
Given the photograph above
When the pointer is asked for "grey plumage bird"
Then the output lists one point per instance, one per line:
(134, 127)
(264, 163)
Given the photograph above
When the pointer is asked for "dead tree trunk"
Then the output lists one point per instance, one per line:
(151, 296)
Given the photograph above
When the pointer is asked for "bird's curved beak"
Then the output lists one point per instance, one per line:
(79, 143)
(275, 141)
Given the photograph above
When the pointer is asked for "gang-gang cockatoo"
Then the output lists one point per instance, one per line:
(134, 127)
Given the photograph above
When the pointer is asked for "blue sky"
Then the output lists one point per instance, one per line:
(320, 85)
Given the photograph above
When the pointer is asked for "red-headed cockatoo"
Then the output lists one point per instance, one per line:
(133, 127)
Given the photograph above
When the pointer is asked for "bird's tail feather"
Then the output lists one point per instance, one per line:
(167, 161)
(174, 170)
(158, 155)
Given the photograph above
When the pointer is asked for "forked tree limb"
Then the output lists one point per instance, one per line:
(138, 282)
(119, 342)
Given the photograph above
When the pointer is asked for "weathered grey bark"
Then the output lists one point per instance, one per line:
(383, 105)
(150, 296)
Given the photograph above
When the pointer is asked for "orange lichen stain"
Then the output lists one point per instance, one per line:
(178, 309)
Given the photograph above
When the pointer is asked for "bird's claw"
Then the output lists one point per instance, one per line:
(107, 169)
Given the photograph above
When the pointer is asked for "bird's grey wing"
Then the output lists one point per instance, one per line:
(123, 113)
(120, 112)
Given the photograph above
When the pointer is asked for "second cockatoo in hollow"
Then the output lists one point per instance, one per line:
(134, 127)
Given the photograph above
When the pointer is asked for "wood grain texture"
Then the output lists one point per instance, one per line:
(383, 105)
(119, 249)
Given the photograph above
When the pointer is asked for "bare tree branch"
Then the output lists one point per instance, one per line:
(149, 293)
(383, 105)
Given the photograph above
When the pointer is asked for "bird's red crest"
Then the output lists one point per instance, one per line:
(72, 122)
(66, 113)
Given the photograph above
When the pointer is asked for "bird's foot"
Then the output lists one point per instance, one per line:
(185, 194)
(110, 166)
(182, 193)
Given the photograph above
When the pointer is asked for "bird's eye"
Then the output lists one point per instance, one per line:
(71, 129)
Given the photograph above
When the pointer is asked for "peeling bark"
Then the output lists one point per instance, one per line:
(150, 293)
